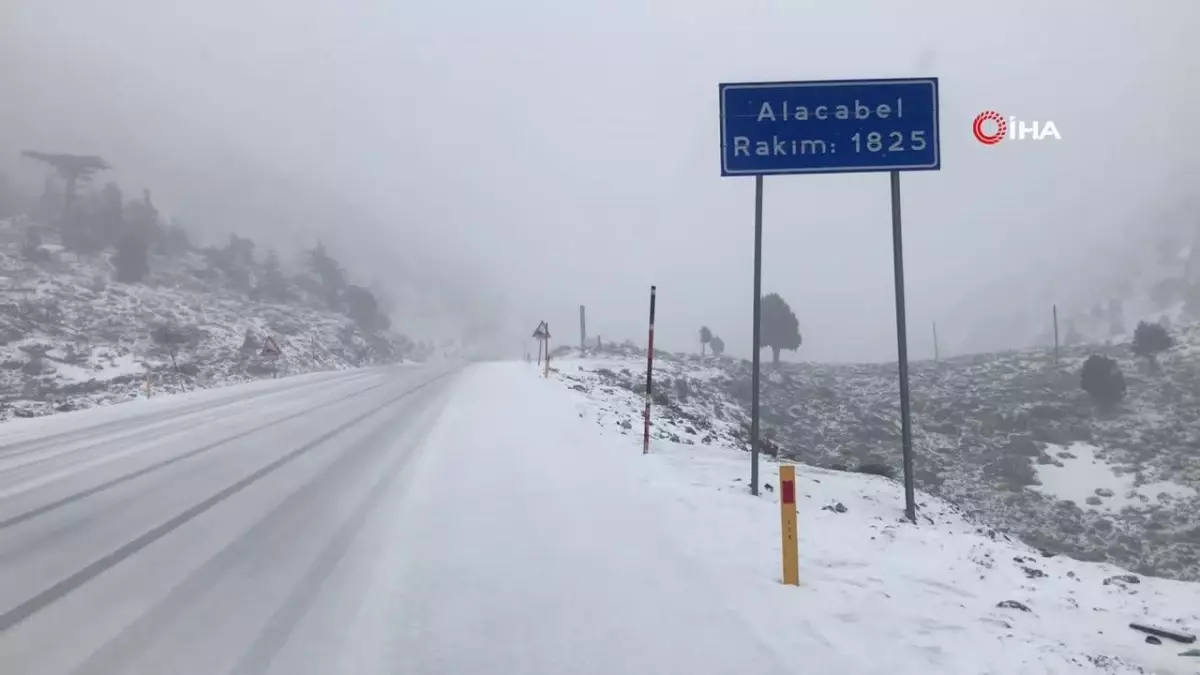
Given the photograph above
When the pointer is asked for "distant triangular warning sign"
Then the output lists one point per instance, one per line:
(271, 347)
(542, 331)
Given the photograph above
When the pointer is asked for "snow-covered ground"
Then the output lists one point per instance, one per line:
(988, 433)
(1091, 483)
(876, 594)
(501, 522)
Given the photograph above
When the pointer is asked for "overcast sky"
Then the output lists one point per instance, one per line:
(564, 153)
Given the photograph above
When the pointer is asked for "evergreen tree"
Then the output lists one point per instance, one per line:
(273, 285)
(780, 328)
(717, 345)
(1101, 378)
(1150, 339)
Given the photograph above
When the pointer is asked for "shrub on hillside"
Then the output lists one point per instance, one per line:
(171, 338)
(683, 390)
(362, 307)
(250, 343)
(876, 469)
(1101, 378)
(1150, 339)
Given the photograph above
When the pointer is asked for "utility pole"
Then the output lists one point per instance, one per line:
(582, 330)
(936, 356)
(1054, 310)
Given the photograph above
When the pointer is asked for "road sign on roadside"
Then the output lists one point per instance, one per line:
(542, 332)
(270, 347)
(833, 126)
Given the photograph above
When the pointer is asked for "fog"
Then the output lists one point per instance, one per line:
(526, 157)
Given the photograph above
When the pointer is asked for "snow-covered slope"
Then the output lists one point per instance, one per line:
(944, 596)
(993, 434)
(72, 337)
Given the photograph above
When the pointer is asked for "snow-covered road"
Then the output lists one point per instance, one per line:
(438, 520)
(202, 533)
(409, 520)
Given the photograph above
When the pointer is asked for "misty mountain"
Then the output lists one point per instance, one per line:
(103, 293)
(1153, 276)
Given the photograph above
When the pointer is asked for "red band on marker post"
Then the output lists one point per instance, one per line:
(787, 492)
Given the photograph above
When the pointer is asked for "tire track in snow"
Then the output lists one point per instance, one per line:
(28, 608)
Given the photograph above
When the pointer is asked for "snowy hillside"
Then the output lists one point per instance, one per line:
(1008, 438)
(945, 596)
(72, 337)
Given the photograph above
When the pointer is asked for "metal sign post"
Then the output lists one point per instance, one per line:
(832, 126)
(272, 351)
(546, 339)
(756, 358)
(1054, 313)
(542, 335)
(910, 508)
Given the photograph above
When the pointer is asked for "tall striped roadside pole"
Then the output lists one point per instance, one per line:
(649, 374)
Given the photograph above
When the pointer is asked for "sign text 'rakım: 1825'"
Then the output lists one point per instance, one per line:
(829, 126)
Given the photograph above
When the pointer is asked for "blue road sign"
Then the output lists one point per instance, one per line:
(833, 126)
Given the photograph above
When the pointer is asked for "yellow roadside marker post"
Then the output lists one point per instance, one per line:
(787, 516)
